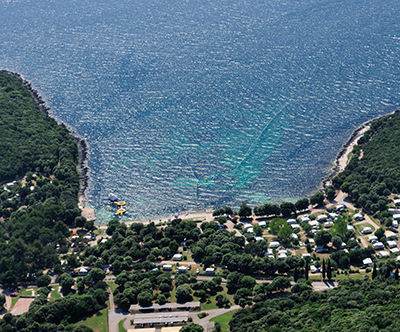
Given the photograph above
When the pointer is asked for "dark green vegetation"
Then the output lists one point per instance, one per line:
(376, 175)
(54, 316)
(356, 305)
(35, 211)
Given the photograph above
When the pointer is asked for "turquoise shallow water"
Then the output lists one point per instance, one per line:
(192, 104)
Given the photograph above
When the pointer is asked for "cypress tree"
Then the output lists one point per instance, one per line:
(374, 273)
(396, 274)
(387, 274)
(329, 270)
(323, 269)
(306, 270)
(296, 274)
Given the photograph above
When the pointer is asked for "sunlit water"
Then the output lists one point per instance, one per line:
(193, 104)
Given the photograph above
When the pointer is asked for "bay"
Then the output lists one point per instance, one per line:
(194, 104)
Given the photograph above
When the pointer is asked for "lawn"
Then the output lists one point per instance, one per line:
(213, 304)
(224, 320)
(361, 226)
(113, 286)
(121, 326)
(98, 322)
(14, 300)
(27, 292)
(54, 294)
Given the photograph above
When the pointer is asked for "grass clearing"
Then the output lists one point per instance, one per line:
(98, 322)
(54, 294)
(224, 320)
(360, 227)
(13, 301)
(113, 286)
(121, 327)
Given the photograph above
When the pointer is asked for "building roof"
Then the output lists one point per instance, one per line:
(367, 261)
(172, 306)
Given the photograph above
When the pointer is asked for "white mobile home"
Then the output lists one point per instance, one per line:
(378, 246)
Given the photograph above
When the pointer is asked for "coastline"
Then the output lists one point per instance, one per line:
(81, 143)
(347, 148)
(206, 215)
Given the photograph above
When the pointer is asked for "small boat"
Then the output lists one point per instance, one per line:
(112, 197)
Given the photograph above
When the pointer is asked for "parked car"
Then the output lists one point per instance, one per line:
(197, 271)
(189, 267)
(14, 294)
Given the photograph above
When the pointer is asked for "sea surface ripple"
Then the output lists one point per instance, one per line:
(187, 104)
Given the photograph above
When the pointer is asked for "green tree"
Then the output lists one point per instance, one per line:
(80, 221)
(192, 327)
(244, 211)
(284, 232)
(43, 281)
(323, 269)
(340, 227)
(183, 293)
(329, 270)
(330, 192)
(66, 282)
(296, 274)
(222, 219)
(302, 204)
(306, 270)
(337, 242)
(287, 208)
(317, 199)
(374, 272)
(322, 238)
(2, 300)
(145, 298)
(276, 224)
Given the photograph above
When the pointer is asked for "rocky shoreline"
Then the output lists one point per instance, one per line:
(346, 150)
(81, 143)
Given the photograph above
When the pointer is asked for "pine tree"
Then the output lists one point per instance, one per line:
(323, 269)
(329, 270)
(374, 273)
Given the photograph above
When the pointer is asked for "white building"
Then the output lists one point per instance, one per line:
(181, 269)
(305, 219)
(210, 270)
(372, 239)
(358, 216)
(274, 244)
(392, 244)
(322, 217)
(378, 246)
(167, 267)
(367, 262)
(177, 257)
(367, 230)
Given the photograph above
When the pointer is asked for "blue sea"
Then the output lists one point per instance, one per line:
(192, 104)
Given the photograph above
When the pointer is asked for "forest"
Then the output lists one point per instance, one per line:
(355, 305)
(37, 208)
(373, 172)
